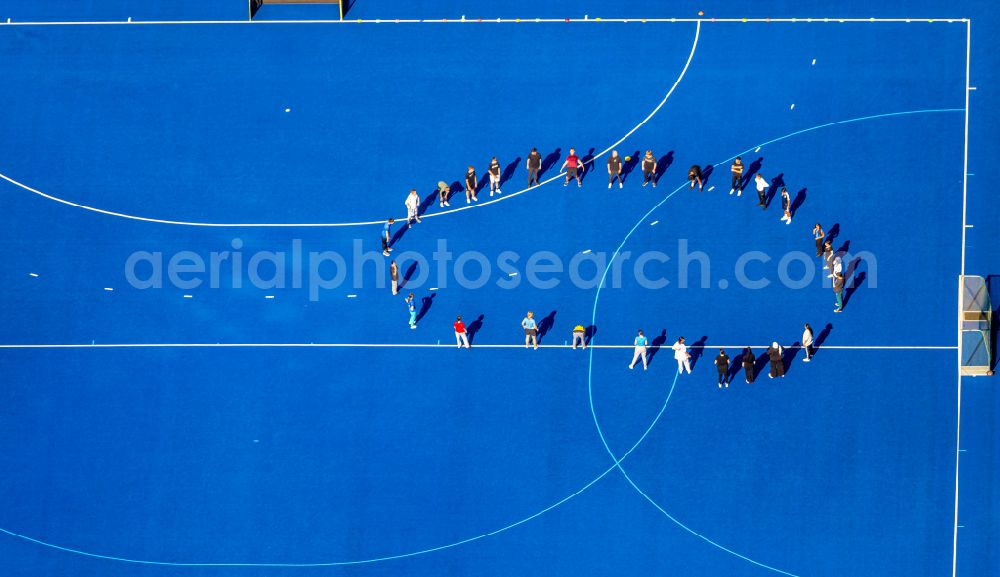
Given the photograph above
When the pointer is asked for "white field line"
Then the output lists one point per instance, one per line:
(596, 20)
(440, 346)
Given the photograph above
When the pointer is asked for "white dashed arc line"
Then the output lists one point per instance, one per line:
(615, 465)
(413, 553)
(590, 390)
(694, 46)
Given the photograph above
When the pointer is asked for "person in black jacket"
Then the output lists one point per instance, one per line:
(649, 169)
(777, 364)
(694, 175)
(722, 365)
(748, 363)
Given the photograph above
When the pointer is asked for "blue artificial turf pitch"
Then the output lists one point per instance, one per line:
(327, 432)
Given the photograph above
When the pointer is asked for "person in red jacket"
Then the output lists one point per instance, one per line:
(461, 337)
(573, 168)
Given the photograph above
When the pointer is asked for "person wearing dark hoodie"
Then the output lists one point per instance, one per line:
(749, 360)
(777, 363)
(722, 365)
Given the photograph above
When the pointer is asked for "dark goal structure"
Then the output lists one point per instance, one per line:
(256, 4)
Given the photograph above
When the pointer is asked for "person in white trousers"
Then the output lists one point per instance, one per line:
(640, 350)
(412, 206)
(461, 335)
(682, 355)
(807, 343)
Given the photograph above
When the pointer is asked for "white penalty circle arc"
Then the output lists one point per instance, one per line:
(590, 390)
(615, 465)
(694, 46)
(413, 553)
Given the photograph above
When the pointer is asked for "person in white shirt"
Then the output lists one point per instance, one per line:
(807, 342)
(682, 355)
(412, 206)
(761, 190)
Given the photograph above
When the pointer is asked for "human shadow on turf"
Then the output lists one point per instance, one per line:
(545, 325)
(427, 201)
(750, 172)
(508, 171)
(761, 365)
(474, 328)
(833, 233)
(853, 285)
(588, 334)
(629, 165)
(587, 162)
(410, 271)
(401, 229)
(735, 366)
(789, 355)
(654, 346)
(697, 350)
(776, 184)
(706, 173)
(821, 338)
(425, 305)
(851, 267)
(798, 201)
(662, 164)
(549, 161)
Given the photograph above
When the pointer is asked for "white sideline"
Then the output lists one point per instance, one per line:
(833, 20)
(443, 346)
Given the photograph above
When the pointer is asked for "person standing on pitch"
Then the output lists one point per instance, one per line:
(614, 168)
(722, 365)
(761, 190)
(443, 190)
(412, 307)
(573, 168)
(819, 235)
(682, 355)
(836, 264)
(412, 206)
(838, 291)
(530, 330)
(786, 206)
(828, 256)
(494, 171)
(580, 334)
(386, 237)
(640, 350)
(394, 275)
(694, 175)
(460, 334)
(470, 185)
(737, 170)
(749, 362)
(777, 363)
(649, 169)
(807, 343)
(534, 163)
